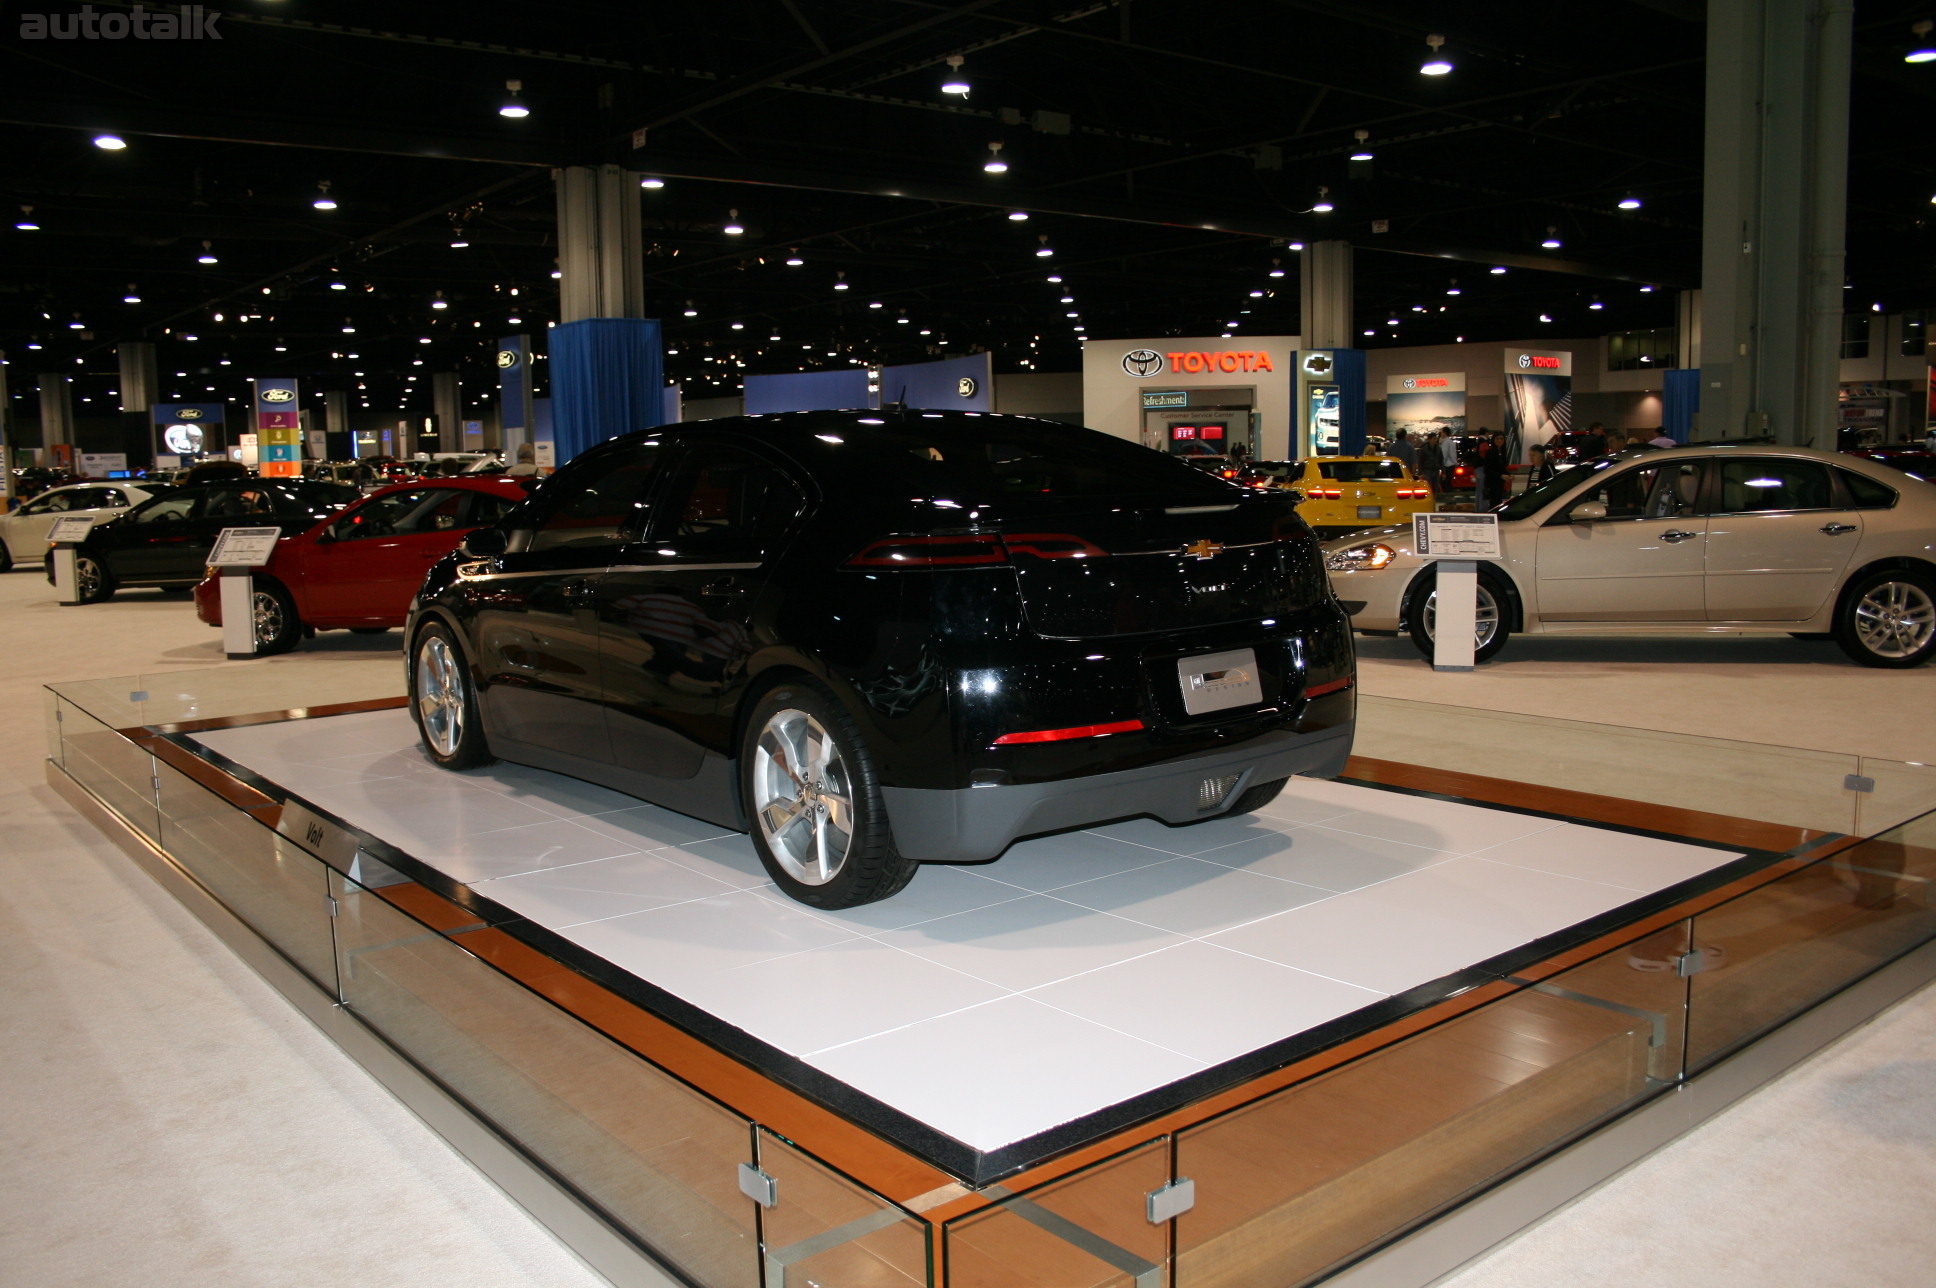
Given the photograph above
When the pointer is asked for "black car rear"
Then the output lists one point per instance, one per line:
(1022, 625)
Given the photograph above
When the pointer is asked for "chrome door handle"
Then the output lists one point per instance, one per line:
(1675, 534)
(1837, 529)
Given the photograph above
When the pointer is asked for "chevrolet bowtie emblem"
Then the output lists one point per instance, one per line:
(1203, 549)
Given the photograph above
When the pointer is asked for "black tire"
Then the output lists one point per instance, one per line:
(793, 804)
(443, 701)
(1494, 610)
(1888, 618)
(1256, 797)
(278, 627)
(369, 630)
(92, 581)
(6, 558)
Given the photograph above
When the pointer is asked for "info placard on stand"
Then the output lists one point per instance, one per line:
(237, 552)
(66, 533)
(1455, 541)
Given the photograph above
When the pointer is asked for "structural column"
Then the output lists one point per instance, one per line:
(447, 400)
(56, 418)
(1776, 188)
(1325, 287)
(601, 244)
(607, 364)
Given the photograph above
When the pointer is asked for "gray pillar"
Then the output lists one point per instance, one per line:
(601, 256)
(1325, 292)
(56, 414)
(447, 400)
(140, 389)
(1776, 188)
(1687, 329)
(336, 412)
(6, 437)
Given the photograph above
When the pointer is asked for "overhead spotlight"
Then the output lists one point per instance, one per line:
(514, 107)
(438, 301)
(794, 260)
(739, 326)
(691, 312)
(133, 296)
(1323, 204)
(338, 286)
(26, 222)
(1293, 245)
(110, 142)
(1044, 250)
(994, 164)
(207, 256)
(1497, 270)
(1552, 241)
(652, 183)
(1436, 63)
(1922, 51)
(323, 200)
(1018, 216)
(1595, 303)
(1647, 290)
(733, 227)
(1629, 202)
(1363, 151)
(1054, 277)
(873, 304)
(1545, 317)
(955, 82)
(1277, 268)
(457, 241)
(840, 281)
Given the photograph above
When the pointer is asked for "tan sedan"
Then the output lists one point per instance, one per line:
(1781, 539)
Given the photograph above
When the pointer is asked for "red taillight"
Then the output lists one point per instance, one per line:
(1328, 493)
(972, 550)
(1064, 735)
(1329, 686)
(1413, 493)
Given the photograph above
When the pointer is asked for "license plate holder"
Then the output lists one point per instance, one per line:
(1371, 511)
(1219, 681)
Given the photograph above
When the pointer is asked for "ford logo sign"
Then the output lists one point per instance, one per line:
(506, 359)
(1142, 362)
(188, 413)
(277, 395)
(965, 386)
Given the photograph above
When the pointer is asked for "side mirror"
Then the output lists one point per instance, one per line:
(487, 541)
(1587, 510)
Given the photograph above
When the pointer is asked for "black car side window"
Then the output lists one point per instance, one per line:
(730, 504)
(606, 505)
(1755, 484)
(169, 509)
(1866, 492)
(1626, 495)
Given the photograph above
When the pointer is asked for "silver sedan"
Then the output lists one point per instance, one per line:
(1779, 539)
(23, 534)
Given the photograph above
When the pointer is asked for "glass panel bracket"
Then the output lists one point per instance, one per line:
(1167, 1202)
(758, 1185)
(1858, 783)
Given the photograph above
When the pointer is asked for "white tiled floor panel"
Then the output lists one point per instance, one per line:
(994, 1002)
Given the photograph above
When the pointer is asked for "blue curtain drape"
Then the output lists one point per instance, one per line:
(607, 378)
(1680, 398)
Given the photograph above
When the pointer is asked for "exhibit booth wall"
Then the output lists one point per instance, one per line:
(1117, 373)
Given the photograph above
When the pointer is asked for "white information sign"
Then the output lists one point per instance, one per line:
(1443, 535)
(70, 528)
(244, 547)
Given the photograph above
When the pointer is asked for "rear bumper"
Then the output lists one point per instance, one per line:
(973, 824)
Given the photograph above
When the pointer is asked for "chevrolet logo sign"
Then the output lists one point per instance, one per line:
(1204, 549)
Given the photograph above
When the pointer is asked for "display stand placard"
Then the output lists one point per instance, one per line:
(70, 528)
(237, 550)
(1455, 542)
(1455, 535)
(66, 533)
(244, 547)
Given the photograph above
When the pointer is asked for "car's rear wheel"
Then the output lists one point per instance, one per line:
(1888, 619)
(278, 628)
(6, 558)
(814, 800)
(443, 700)
(1492, 621)
(92, 581)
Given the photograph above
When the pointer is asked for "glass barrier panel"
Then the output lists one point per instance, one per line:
(659, 1159)
(1290, 1186)
(118, 772)
(1897, 791)
(825, 1229)
(278, 890)
(1776, 951)
(50, 703)
(1786, 785)
(1087, 1230)
(172, 697)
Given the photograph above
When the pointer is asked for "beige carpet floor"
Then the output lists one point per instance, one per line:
(169, 1120)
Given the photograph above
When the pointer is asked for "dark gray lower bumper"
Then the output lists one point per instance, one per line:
(971, 824)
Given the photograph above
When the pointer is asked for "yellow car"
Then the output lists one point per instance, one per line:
(1344, 494)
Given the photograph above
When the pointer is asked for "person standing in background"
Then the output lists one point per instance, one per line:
(1595, 442)
(1660, 439)
(1406, 451)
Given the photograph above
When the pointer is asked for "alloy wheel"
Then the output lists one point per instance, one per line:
(440, 695)
(802, 797)
(269, 617)
(87, 578)
(1485, 622)
(1895, 619)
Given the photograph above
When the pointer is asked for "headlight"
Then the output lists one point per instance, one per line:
(1359, 558)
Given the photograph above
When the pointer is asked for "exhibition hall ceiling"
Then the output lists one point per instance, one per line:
(1170, 155)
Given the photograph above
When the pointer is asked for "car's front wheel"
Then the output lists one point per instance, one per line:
(1888, 619)
(443, 700)
(814, 800)
(92, 581)
(1492, 622)
(278, 627)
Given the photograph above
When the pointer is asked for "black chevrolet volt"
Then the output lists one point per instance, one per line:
(876, 639)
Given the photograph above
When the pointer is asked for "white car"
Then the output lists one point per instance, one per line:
(1778, 539)
(23, 534)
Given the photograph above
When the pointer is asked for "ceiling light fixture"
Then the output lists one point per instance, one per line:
(207, 256)
(1364, 150)
(514, 107)
(1552, 241)
(955, 82)
(794, 260)
(26, 222)
(133, 296)
(1629, 202)
(323, 200)
(1595, 303)
(1018, 216)
(994, 164)
(652, 183)
(840, 281)
(1323, 204)
(691, 312)
(110, 142)
(438, 301)
(1436, 63)
(733, 226)
(1922, 51)
(1497, 270)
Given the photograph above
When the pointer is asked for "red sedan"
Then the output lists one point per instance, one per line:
(360, 569)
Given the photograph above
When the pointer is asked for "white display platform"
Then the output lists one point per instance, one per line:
(994, 1002)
